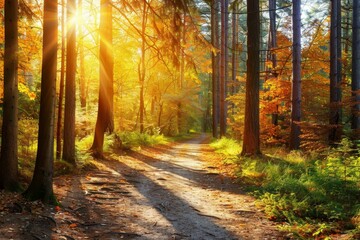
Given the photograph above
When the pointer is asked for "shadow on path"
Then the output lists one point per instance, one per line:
(185, 219)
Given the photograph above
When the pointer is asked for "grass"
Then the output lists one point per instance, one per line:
(121, 141)
(136, 139)
(314, 196)
(84, 160)
(229, 148)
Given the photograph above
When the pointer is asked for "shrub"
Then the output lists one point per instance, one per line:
(136, 139)
(229, 148)
(317, 196)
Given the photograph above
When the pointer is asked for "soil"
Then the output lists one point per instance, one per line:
(162, 192)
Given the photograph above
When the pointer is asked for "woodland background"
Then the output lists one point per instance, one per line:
(279, 77)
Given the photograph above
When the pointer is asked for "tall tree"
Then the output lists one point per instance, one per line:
(234, 56)
(355, 80)
(335, 72)
(41, 185)
(272, 46)
(223, 65)
(347, 19)
(142, 67)
(62, 83)
(296, 78)
(251, 142)
(82, 81)
(9, 146)
(105, 118)
(70, 89)
(273, 37)
(215, 65)
(182, 42)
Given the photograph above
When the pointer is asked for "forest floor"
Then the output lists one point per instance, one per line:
(162, 192)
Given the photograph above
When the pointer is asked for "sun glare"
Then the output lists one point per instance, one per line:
(84, 17)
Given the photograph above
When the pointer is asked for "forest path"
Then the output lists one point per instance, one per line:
(163, 192)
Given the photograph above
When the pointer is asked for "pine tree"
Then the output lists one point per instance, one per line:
(105, 118)
(251, 142)
(296, 78)
(335, 72)
(355, 80)
(70, 90)
(41, 185)
(9, 145)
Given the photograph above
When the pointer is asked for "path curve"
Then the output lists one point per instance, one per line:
(160, 193)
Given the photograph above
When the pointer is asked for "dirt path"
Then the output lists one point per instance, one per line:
(157, 193)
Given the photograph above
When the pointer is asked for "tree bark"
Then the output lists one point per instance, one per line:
(105, 118)
(62, 81)
(82, 80)
(251, 142)
(142, 68)
(234, 57)
(296, 80)
(272, 55)
(346, 66)
(70, 88)
(355, 79)
(181, 70)
(41, 185)
(9, 145)
(215, 66)
(335, 73)
(223, 65)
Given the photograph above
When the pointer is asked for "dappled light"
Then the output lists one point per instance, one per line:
(149, 119)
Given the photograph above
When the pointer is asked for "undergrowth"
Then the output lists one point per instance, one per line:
(314, 196)
(137, 139)
(229, 148)
(121, 141)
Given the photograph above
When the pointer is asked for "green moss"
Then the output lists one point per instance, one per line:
(40, 192)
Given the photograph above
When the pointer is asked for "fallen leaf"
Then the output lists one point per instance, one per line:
(73, 225)
(57, 209)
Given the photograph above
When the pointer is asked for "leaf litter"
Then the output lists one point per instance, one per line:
(167, 192)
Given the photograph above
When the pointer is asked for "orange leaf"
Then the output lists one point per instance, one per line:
(57, 209)
(73, 225)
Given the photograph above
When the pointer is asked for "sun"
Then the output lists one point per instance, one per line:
(84, 18)
(82, 14)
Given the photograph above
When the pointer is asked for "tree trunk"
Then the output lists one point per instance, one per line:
(223, 67)
(82, 81)
(355, 80)
(9, 146)
(251, 142)
(346, 66)
(273, 46)
(70, 89)
(335, 72)
(181, 70)
(273, 36)
(41, 185)
(159, 117)
(215, 66)
(105, 118)
(62, 81)
(234, 60)
(296, 81)
(142, 68)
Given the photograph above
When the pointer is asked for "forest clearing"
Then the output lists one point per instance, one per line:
(180, 119)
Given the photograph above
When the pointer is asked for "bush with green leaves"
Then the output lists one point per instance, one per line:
(136, 139)
(228, 147)
(317, 195)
